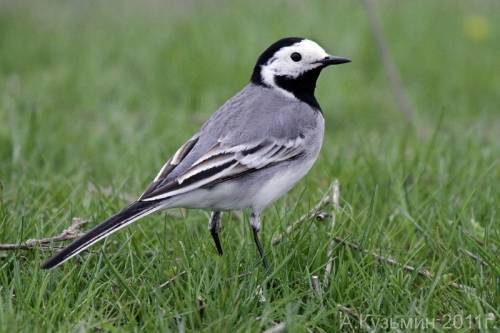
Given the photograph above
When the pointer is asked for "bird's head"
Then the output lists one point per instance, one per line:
(292, 65)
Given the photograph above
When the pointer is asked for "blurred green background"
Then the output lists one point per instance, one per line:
(95, 96)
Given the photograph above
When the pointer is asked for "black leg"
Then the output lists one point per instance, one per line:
(214, 227)
(255, 222)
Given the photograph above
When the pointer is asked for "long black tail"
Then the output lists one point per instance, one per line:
(127, 216)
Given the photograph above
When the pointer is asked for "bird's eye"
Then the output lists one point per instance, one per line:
(296, 56)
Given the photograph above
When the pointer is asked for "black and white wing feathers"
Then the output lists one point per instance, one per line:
(171, 164)
(224, 162)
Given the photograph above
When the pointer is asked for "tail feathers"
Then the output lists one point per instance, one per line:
(127, 216)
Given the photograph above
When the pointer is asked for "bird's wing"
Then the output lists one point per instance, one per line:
(223, 162)
(172, 163)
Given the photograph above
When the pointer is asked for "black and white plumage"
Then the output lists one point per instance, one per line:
(253, 150)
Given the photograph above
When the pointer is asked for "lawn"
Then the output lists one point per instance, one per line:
(95, 96)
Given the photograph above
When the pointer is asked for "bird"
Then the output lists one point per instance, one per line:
(248, 154)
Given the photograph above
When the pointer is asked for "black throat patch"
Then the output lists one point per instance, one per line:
(301, 87)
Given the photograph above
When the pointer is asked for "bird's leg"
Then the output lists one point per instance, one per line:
(255, 223)
(214, 227)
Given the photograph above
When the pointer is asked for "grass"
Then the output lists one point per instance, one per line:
(94, 98)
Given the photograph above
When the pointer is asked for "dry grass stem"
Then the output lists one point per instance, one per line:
(278, 328)
(313, 213)
(390, 67)
(72, 232)
(172, 279)
(331, 244)
(315, 285)
(391, 261)
(332, 196)
(474, 256)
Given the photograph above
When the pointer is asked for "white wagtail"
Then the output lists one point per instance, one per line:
(249, 153)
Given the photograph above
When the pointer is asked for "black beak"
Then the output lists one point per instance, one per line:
(333, 60)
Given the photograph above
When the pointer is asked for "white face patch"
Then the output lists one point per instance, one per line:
(281, 64)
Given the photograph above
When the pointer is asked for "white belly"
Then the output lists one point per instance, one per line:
(279, 185)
